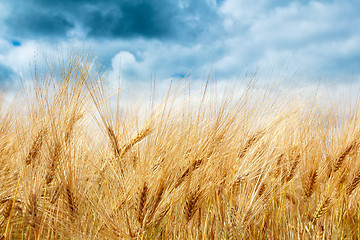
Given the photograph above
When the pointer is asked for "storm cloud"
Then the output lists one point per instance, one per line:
(318, 39)
(110, 18)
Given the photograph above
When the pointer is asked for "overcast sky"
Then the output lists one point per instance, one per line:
(168, 38)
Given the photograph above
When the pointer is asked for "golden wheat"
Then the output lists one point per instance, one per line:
(252, 166)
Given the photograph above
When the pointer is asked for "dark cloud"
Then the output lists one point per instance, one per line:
(31, 20)
(129, 19)
(111, 18)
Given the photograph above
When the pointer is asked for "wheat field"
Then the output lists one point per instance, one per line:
(77, 164)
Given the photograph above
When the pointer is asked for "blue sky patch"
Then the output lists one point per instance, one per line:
(180, 75)
(15, 43)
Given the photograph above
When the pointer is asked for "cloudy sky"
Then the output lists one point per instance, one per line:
(316, 39)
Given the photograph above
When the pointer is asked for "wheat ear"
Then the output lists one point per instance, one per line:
(35, 147)
(354, 183)
(310, 183)
(191, 204)
(293, 169)
(141, 204)
(322, 208)
(139, 137)
(341, 158)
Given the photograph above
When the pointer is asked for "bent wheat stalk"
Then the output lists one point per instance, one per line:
(139, 137)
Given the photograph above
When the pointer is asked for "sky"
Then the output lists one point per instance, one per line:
(317, 40)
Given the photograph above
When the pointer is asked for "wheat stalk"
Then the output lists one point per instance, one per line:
(310, 183)
(353, 184)
(293, 168)
(32, 210)
(35, 147)
(139, 137)
(191, 204)
(195, 165)
(322, 208)
(54, 160)
(141, 204)
(250, 142)
(339, 161)
(114, 141)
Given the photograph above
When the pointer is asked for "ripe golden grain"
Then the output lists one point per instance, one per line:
(187, 173)
(310, 183)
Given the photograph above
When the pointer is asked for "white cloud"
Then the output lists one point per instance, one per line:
(19, 58)
(241, 12)
(311, 35)
(4, 46)
(158, 60)
(122, 63)
(123, 59)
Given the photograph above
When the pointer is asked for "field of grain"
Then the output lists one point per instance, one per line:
(76, 164)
